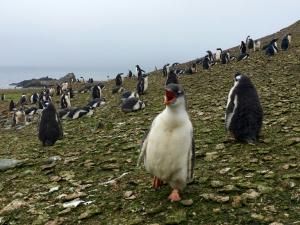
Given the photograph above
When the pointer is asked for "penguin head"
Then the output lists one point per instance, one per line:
(174, 93)
(237, 77)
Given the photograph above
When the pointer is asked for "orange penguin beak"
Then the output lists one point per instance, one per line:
(170, 97)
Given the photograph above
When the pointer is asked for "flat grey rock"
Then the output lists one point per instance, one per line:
(6, 164)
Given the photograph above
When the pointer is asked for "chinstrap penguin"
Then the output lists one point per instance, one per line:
(132, 104)
(168, 150)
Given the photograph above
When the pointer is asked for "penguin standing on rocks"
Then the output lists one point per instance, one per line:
(119, 80)
(142, 85)
(286, 41)
(243, 48)
(206, 63)
(272, 48)
(168, 150)
(50, 129)
(249, 42)
(244, 114)
(96, 92)
(225, 57)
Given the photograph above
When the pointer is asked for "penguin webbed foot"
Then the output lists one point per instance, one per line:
(157, 183)
(174, 196)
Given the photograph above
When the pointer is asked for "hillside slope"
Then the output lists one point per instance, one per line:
(234, 183)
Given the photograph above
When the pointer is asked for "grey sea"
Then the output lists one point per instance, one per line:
(10, 75)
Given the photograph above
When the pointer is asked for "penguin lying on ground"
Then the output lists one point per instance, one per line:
(81, 111)
(243, 56)
(63, 113)
(244, 114)
(132, 104)
(129, 94)
(168, 149)
(50, 129)
(96, 103)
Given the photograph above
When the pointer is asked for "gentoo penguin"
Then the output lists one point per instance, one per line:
(168, 150)
(139, 71)
(65, 86)
(243, 48)
(257, 44)
(175, 64)
(244, 114)
(272, 48)
(210, 56)
(96, 102)
(225, 57)
(96, 91)
(142, 85)
(206, 63)
(192, 69)
(243, 56)
(117, 89)
(119, 80)
(132, 104)
(81, 111)
(129, 74)
(286, 42)
(31, 111)
(179, 71)
(63, 113)
(34, 98)
(172, 78)
(218, 54)
(129, 94)
(65, 101)
(51, 92)
(166, 69)
(12, 106)
(23, 100)
(18, 117)
(50, 129)
(249, 42)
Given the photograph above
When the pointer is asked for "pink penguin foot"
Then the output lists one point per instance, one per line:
(174, 196)
(157, 183)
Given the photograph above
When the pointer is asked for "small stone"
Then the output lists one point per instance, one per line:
(91, 211)
(127, 194)
(13, 205)
(236, 201)
(216, 210)
(216, 183)
(276, 223)
(6, 164)
(65, 211)
(210, 156)
(250, 195)
(225, 170)
(286, 166)
(53, 189)
(187, 202)
(257, 216)
(74, 196)
(220, 146)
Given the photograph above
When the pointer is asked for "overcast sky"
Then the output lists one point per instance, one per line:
(118, 34)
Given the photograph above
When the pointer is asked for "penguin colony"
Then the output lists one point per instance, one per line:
(168, 150)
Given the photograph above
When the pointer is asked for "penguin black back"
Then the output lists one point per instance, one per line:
(96, 92)
(50, 129)
(172, 78)
(245, 109)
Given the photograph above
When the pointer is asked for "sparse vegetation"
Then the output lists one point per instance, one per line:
(234, 183)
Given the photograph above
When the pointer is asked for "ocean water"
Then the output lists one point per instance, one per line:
(10, 75)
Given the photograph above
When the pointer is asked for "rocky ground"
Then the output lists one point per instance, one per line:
(90, 177)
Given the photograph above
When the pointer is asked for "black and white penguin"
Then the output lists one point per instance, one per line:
(96, 102)
(31, 111)
(256, 46)
(34, 98)
(23, 100)
(243, 48)
(139, 71)
(50, 128)
(286, 41)
(12, 106)
(175, 64)
(249, 42)
(166, 69)
(63, 113)
(225, 57)
(192, 69)
(65, 100)
(19, 117)
(172, 78)
(132, 104)
(129, 94)
(58, 90)
(179, 71)
(244, 114)
(168, 150)
(80, 112)
(130, 74)
(218, 54)
(206, 63)
(210, 56)
(96, 92)
(272, 48)
(119, 80)
(243, 56)
(142, 85)
(117, 89)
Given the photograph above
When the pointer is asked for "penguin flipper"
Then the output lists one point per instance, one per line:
(191, 161)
